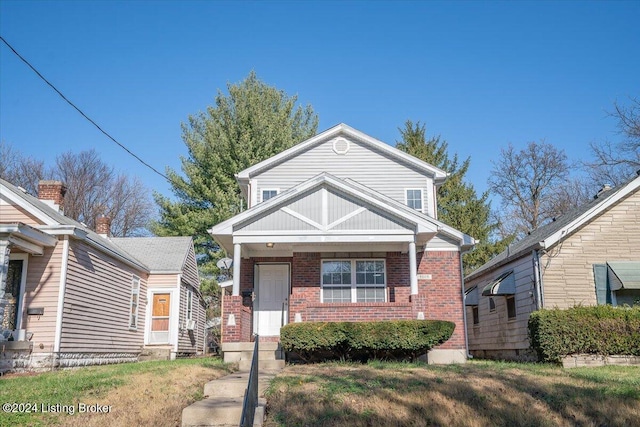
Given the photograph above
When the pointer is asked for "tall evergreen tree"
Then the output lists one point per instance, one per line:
(253, 122)
(458, 204)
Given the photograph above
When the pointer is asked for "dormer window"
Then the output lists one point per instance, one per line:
(267, 194)
(414, 199)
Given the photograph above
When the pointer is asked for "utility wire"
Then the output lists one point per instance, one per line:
(82, 113)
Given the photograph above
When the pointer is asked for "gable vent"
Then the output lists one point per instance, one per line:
(341, 146)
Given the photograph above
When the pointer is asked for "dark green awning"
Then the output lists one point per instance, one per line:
(505, 284)
(624, 274)
(471, 296)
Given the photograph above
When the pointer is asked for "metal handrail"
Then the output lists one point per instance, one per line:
(250, 402)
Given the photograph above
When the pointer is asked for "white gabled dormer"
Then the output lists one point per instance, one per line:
(348, 154)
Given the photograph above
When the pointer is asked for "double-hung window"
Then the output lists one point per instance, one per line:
(414, 199)
(353, 280)
(269, 193)
(189, 305)
(135, 296)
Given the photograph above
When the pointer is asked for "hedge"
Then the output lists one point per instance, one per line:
(397, 339)
(601, 330)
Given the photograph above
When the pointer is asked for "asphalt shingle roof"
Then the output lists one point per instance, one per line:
(160, 254)
(542, 233)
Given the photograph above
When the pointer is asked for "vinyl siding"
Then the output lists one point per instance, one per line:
(162, 281)
(10, 213)
(568, 267)
(188, 343)
(190, 270)
(97, 303)
(324, 207)
(362, 164)
(42, 288)
(567, 275)
(495, 331)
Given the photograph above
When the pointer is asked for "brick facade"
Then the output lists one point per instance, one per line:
(440, 297)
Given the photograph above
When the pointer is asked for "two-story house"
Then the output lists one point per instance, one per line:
(342, 227)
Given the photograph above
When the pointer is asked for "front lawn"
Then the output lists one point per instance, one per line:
(131, 394)
(479, 393)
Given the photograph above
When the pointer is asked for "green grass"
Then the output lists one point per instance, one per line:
(68, 387)
(478, 393)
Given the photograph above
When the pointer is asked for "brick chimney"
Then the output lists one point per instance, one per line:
(103, 226)
(52, 193)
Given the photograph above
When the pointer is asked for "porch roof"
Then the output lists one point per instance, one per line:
(326, 210)
(26, 238)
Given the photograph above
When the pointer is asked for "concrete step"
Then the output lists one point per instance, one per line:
(248, 346)
(262, 355)
(267, 365)
(155, 353)
(214, 411)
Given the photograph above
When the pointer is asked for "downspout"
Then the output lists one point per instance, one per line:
(464, 310)
(61, 291)
(537, 281)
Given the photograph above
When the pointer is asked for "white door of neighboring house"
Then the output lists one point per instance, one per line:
(270, 308)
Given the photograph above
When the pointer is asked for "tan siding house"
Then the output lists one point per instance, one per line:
(176, 310)
(556, 266)
(69, 296)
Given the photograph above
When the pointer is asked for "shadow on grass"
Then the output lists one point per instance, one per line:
(464, 395)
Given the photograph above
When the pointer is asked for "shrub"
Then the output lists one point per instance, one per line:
(601, 330)
(398, 339)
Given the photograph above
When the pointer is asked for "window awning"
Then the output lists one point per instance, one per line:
(623, 274)
(505, 284)
(471, 296)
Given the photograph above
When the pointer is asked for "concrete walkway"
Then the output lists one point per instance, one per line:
(222, 405)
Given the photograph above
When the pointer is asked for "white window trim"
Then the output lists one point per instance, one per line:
(135, 290)
(189, 307)
(406, 197)
(262, 190)
(354, 286)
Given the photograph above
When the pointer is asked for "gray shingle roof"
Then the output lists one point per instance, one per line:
(64, 220)
(160, 254)
(529, 242)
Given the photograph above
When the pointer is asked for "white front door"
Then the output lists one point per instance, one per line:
(270, 309)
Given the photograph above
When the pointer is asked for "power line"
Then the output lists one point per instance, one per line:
(82, 113)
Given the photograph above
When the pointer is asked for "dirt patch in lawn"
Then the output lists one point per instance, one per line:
(474, 395)
(148, 399)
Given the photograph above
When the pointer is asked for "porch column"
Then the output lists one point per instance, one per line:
(4, 269)
(237, 257)
(413, 269)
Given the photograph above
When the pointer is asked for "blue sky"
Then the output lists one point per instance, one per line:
(480, 74)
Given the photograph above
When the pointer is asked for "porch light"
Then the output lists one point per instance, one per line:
(231, 320)
(297, 318)
(270, 244)
(421, 315)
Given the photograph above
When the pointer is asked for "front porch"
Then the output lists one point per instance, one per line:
(332, 250)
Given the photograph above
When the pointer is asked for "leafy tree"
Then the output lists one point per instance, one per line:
(93, 188)
(253, 122)
(530, 183)
(458, 204)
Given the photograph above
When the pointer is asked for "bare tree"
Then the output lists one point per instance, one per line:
(93, 188)
(21, 170)
(529, 182)
(613, 163)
